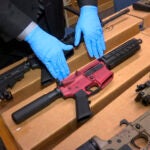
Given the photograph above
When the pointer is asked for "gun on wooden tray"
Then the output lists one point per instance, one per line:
(126, 139)
(83, 83)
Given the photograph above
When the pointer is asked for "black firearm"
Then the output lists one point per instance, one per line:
(83, 83)
(9, 78)
(143, 93)
(126, 139)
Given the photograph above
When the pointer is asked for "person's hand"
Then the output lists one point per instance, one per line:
(89, 24)
(50, 51)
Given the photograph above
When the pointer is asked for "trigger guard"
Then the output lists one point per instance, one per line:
(137, 137)
(92, 92)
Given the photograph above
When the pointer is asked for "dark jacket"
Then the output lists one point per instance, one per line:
(15, 15)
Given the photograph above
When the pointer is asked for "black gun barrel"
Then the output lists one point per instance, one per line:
(35, 106)
(121, 53)
(120, 13)
(117, 15)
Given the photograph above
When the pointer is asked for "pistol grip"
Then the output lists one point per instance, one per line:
(83, 111)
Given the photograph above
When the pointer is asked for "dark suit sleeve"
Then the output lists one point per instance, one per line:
(12, 20)
(87, 2)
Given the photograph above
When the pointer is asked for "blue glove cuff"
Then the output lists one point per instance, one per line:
(26, 31)
(35, 32)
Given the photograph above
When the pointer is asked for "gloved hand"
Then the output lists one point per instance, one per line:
(89, 24)
(50, 51)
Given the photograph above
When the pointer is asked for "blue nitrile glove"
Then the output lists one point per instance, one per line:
(50, 51)
(89, 24)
